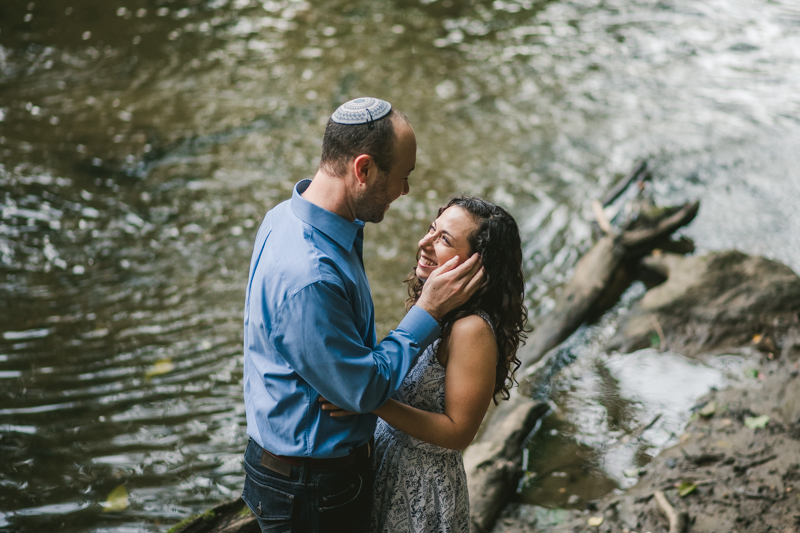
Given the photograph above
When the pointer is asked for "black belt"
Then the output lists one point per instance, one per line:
(282, 464)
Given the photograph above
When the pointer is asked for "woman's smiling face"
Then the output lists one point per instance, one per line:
(447, 237)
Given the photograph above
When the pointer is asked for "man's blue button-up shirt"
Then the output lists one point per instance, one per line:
(309, 331)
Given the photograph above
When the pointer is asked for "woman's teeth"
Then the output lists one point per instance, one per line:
(427, 262)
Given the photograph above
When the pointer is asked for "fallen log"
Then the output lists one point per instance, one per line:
(495, 461)
(228, 517)
(600, 277)
(638, 173)
(593, 277)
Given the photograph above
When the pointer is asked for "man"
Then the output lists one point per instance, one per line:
(309, 328)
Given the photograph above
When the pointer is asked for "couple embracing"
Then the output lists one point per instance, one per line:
(347, 433)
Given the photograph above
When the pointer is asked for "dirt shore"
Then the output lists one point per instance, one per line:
(744, 478)
(736, 466)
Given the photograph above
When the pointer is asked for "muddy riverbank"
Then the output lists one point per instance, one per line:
(735, 466)
(740, 477)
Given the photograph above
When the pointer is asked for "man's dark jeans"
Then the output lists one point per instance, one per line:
(312, 500)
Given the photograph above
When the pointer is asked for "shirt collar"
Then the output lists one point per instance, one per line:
(341, 230)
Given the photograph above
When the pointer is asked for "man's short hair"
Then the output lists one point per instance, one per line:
(341, 143)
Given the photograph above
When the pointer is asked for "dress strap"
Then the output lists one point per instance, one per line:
(485, 317)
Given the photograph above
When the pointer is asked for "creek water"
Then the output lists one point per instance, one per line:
(141, 142)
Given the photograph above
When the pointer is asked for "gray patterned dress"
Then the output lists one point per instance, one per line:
(419, 487)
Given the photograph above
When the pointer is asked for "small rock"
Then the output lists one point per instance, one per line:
(708, 410)
(595, 521)
(765, 344)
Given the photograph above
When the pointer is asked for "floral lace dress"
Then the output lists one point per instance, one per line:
(419, 487)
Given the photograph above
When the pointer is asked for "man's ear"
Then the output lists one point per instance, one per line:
(364, 168)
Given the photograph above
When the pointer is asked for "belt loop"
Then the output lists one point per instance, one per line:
(304, 470)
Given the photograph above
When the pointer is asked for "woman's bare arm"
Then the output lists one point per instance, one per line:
(468, 387)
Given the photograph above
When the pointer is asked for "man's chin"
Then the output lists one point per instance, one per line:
(373, 216)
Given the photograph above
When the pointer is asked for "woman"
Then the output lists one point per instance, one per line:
(420, 483)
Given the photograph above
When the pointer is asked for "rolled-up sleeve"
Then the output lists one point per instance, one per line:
(317, 336)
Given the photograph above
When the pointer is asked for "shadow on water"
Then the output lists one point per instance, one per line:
(562, 472)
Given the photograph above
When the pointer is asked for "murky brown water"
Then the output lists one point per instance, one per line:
(142, 141)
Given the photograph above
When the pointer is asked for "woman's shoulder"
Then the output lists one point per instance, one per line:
(473, 326)
(471, 339)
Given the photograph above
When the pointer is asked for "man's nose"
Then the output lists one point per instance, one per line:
(406, 187)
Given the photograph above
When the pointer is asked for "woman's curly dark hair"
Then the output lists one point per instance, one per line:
(497, 242)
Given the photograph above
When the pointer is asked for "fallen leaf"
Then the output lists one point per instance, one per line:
(161, 367)
(751, 373)
(655, 340)
(708, 409)
(686, 488)
(756, 422)
(595, 521)
(757, 338)
(117, 500)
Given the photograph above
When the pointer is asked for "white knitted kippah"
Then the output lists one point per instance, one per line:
(361, 111)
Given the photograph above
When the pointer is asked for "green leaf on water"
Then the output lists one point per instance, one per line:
(756, 422)
(117, 500)
(161, 367)
(686, 488)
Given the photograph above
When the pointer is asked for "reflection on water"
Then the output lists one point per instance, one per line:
(615, 413)
(142, 141)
